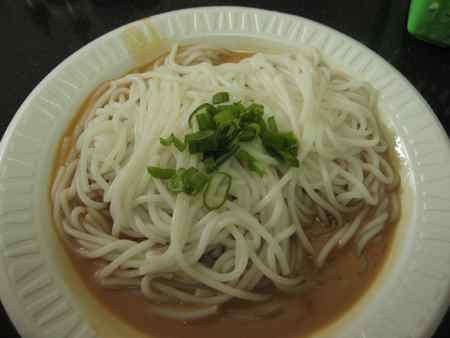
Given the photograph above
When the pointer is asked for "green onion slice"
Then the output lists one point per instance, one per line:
(250, 162)
(220, 97)
(225, 156)
(210, 164)
(205, 121)
(175, 184)
(226, 134)
(249, 132)
(222, 126)
(201, 141)
(290, 158)
(161, 173)
(256, 167)
(253, 114)
(172, 139)
(216, 192)
(282, 146)
(203, 108)
(224, 116)
(193, 181)
(272, 125)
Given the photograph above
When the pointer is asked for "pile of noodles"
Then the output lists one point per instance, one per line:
(173, 249)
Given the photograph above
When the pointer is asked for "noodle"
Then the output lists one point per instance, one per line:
(171, 247)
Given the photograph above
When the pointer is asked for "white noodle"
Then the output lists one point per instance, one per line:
(170, 246)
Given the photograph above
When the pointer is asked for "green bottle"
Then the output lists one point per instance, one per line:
(429, 20)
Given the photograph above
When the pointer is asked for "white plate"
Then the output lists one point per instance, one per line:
(40, 291)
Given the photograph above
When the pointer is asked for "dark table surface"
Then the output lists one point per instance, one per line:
(38, 34)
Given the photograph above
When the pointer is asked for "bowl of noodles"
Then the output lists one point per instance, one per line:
(224, 172)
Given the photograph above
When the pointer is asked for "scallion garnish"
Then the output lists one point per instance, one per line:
(210, 164)
(272, 125)
(256, 167)
(225, 156)
(226, 135)
(282, 146)
(161, 173)
(191, 181)
(175, 184)
(224, 116)
(203, 108)
(252, 114)
(221, 129)
(250, 162)
(201, 141)
(172, 139)
(217, 190)
(220, 97)
(249, 132)
(205, 121)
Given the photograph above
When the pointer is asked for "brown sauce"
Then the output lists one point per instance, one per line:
(339, 284)
(344, 280)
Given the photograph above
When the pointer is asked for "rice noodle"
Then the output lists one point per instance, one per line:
(170, 246)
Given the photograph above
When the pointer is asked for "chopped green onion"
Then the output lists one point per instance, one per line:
(262, 125)
(224, 116)
(225, 156)
(175, 184)
(236, 108)
(244, 156)
(220, 97)
(210, 164)
(255, 166)
(256, 108)
(282, 146)
(205, 121)
(252, 114)
(193, 181)
(203, 108)
(249, 161)
(249, 133)
(280, 140)
(222, 127)
(166, 141)
(226, 134)
(161, 173)
(272, 124)
(201, 141)
(255, 126)
(290, 139)
(217, 190)
(172, 139)
(290, 158)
